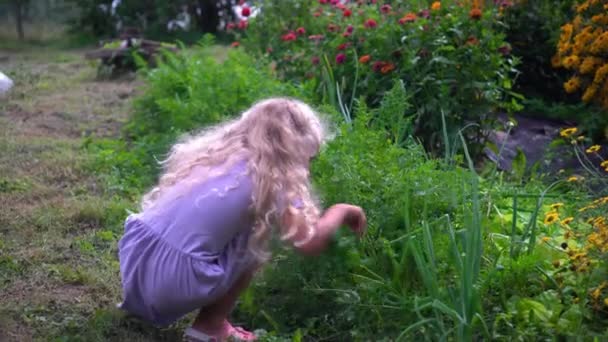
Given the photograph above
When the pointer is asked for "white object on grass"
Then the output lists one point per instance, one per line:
(5, 84)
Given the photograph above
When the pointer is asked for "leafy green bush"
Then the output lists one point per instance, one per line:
(183, 93)
(370, 284)
(533, 32)
(449, 57)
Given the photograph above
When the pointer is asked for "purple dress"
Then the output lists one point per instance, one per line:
(189, 249)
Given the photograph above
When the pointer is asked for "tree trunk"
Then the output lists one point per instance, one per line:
(18, 8)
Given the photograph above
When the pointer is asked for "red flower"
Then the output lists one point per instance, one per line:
(475, 14)
(246, 11)
(230, 26)
(505, 50)
(472, 40)
(322, 2)
(388, 67)
(347, 13)
(343, 46)
(332, 28)
(269, 50)
(364, 59)
(340, 58)
(408, 18)
(315, 60)
(300, 31)
(370, 23)
(235, 44)
(289, 37)
(317, 14)
(424, 14)
(386, 9)
(378, 65)
(346, 34)
(316, 37)
(243, 24)
(350, 29)
(334, 2)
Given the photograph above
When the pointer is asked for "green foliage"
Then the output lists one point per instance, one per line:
(446, 60)
(533, 32)
(183, 93)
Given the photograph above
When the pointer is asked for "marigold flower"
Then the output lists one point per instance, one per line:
(551, 217)
(593, 149)
(364, 59)
(568, 132)
(436, 6)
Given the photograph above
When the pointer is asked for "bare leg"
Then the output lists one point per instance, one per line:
(212, 319)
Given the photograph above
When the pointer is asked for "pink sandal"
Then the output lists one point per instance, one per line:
(236, 334)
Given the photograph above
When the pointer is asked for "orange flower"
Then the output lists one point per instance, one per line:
(436, 6)
(364, 59)
(475, 14)
(235, 44)
(387, 68)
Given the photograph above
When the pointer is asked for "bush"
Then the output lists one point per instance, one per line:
(581, 50)
(183, 93)
(533, 31)
(451, 58)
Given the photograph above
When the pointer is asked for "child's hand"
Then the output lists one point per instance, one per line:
(354, 218)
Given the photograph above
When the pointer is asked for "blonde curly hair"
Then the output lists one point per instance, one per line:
(278, 137)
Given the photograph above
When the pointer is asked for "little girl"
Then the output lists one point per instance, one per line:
(204, 229)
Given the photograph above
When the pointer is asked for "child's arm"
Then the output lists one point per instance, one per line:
(328, 224)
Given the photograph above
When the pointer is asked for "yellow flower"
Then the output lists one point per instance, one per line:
(600, 74)
(575, 179)
(568, 132)
(600, 19)
(567, 220)
(436, 6)
(606, 301)
(556, 206)
(593, 149)
(589, 64)
(604, 163)
(589, 93)
(573, 84)
(551, 217)
(571, 62)
(546, 239)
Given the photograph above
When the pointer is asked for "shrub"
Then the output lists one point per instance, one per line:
(533, 31)
(451, 58)
(182, 94)
(582, 46)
